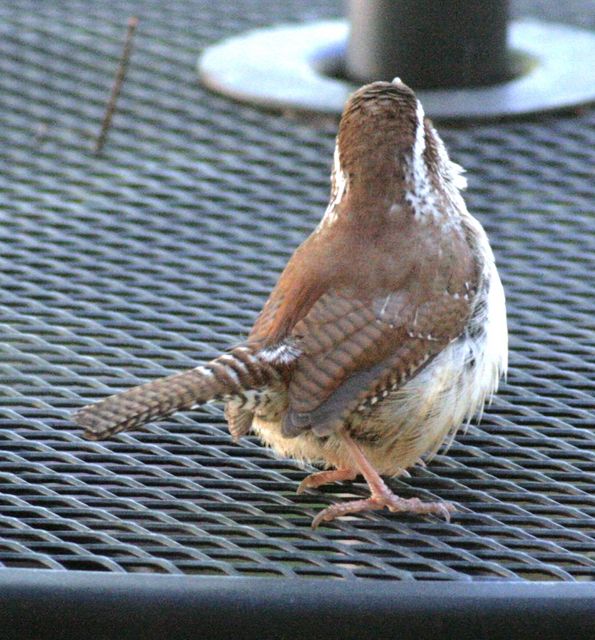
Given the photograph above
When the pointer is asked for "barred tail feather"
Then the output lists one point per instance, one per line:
(226, 377)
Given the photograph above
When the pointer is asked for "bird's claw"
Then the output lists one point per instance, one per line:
(391, 502)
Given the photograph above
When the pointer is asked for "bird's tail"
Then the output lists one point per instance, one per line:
(228, 376)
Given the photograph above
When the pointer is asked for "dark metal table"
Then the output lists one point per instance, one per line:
(159, 253)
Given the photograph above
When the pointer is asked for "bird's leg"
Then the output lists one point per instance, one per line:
(319, 478)
(381, 496)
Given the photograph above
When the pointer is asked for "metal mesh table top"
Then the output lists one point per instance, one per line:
(158, 254)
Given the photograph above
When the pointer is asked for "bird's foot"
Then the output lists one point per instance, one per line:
(381, 496)
(315, 480)
(385, 498)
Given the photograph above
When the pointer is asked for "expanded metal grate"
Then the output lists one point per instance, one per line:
(158, 254)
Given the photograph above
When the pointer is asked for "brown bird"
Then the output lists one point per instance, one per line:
(385, 332)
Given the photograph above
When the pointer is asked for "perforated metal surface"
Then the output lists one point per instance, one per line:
(155, 256)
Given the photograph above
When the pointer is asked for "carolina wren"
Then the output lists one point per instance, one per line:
(385, 332)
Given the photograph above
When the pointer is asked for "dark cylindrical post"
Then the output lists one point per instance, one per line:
(428, 43)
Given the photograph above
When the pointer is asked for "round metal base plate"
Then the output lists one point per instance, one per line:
(285, 67)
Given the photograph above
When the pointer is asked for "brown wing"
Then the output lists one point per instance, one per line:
(298, 288)
(365, 320)
(356, 349)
